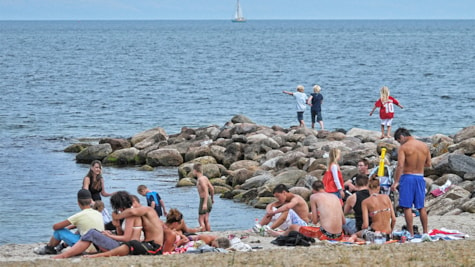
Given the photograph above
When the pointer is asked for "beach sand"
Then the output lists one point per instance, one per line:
(440, 253)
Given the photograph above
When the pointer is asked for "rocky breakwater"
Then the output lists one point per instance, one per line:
(244, 161)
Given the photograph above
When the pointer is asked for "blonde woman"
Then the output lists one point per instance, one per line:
(386, 110)
(301, 98)
(315, 101)
(333, 179)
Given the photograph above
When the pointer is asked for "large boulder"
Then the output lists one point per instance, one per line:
(469, 206)
(452, 199)
(241, 119)
(256, 181)
(217, 152)
(124, 156)
(95, 152)
(467, 146)
(195, 152)
(465, 133)
(244, 164)
(365, 135)
(116, 143)
(146, 134)
(239, 176)
(233, 153)
(271, 163)
(211, 171)
(76, 148)
(461, 164)
(289, 159)
(289, 178)
(164, 157)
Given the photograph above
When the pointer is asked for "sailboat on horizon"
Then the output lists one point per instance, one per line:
(238, 15)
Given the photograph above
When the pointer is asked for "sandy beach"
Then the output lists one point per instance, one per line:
(439, 253)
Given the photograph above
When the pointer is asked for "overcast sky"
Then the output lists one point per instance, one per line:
(224, 9)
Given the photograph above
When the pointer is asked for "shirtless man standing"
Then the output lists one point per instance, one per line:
(206, 193)
(413, 156)
(287, 204)
(326, 210)
(153, 234)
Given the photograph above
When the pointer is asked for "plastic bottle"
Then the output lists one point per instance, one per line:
(378, 238)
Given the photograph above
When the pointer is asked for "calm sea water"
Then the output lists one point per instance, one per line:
(65, 80)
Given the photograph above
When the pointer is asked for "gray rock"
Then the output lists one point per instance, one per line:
(469, 206)
(256, 181)
(233, 153)
(211, 170)
(243, 128)
(289, 178)
(95, 152)
(76, 148)
(467, 146)
(148, 133)
(196, 152)
(123, 156)
(204, 160)
(164, 157)
(239, 176)
(288, 159)
(241, 119)
(270, 164)
(244, 164)
(457, 192)
(116, 143)
(454, 178)
(364, 134)
(217, 152)
(186, 182)
(468, 185)
(465, 133)
(461, 164)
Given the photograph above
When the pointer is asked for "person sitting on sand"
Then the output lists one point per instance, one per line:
(288, 204)
(84, 221)
(353, 203)
(153, 234)
(379, 209)
(326, 210)
(131, 228)
(176, 222)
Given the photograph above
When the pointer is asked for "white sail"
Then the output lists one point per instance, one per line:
(238, 17)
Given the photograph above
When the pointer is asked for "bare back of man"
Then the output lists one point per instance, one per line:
(152, 228)
(416, 156)
(326, 209)
(286, 201)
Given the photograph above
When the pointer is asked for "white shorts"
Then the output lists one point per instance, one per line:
(386, 122)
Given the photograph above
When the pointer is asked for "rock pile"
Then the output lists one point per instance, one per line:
(244, 161)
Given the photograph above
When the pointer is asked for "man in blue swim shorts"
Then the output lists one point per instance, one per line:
(413, 156)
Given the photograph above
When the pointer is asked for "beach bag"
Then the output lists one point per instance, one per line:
(294, 238)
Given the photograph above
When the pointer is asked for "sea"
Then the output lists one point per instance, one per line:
(66, 81)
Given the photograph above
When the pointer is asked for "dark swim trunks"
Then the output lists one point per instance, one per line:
(210, 206)
(143, 248)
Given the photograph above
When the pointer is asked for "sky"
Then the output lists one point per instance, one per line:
(224, 9)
